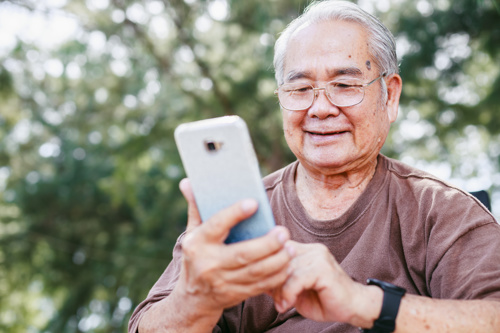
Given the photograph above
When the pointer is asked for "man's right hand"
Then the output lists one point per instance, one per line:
(215, 275)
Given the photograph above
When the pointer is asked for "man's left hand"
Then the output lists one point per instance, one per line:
(322, 291)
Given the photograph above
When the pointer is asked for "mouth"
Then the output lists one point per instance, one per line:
(325, 133)
(325, 137)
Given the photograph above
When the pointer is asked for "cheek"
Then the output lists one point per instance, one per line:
(371, 128)
(286, 128)
(285, 122)
(288, 131)
(290, 123)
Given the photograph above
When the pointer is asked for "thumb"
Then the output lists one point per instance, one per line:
(194, 218)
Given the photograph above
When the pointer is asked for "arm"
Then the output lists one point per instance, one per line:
(176, 313)
(215, 276)
(320, 290)
(423, 314)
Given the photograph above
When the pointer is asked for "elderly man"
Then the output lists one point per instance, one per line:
(345, 214)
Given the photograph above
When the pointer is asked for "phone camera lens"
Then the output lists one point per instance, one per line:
(211, 146)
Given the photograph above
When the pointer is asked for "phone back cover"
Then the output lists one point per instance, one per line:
(222, 177)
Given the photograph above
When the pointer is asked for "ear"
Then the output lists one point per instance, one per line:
(394, 85)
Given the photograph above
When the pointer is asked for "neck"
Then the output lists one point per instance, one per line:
(326, 196)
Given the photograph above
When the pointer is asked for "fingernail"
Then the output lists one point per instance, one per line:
(282, 237)
(248, 205)
(290, 250)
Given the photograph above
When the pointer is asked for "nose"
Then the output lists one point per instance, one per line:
(322, 107)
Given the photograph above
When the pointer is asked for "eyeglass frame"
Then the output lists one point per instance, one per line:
(316, 90)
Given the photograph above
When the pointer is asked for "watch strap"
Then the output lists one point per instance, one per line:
(386, 322)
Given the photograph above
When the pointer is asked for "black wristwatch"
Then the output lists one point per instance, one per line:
(386, 322)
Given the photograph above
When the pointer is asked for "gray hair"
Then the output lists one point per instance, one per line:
(382, 46)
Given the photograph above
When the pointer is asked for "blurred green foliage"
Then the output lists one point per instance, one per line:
(89, 171)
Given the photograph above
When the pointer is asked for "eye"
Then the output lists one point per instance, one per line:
(302, 89)
(344, 84)
(341, 85)
(296, 88)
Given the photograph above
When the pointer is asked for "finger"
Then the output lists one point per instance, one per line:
(300, 248)
(243, 253)
(218, 226)
(290, 290)
(194, 218)
(285, 296)
(312, 263)
(277, 296)
(261, 286)
(261, 269)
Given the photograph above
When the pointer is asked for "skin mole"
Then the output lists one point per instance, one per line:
(368, 65)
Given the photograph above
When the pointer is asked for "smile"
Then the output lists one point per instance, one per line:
(325, 138)
(326, 133)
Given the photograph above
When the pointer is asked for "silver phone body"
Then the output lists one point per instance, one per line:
(220, 161)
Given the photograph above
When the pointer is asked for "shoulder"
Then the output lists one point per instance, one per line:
(428, 191)
(405, 171)
(404, 175)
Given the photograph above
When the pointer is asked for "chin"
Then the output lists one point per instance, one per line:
(325, 162)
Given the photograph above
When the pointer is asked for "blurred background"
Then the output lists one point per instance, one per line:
(91, 91)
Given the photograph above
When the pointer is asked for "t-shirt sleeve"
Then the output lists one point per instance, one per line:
(470, 268)
(161, 289)
(463, 260)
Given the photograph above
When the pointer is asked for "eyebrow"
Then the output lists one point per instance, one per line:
(353, 71)
(295, 75)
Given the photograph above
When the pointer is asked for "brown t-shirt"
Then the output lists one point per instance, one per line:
(408, 228)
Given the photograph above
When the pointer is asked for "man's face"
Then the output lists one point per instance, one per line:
(326, 137)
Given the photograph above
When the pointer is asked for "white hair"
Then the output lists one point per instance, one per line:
(382, 46)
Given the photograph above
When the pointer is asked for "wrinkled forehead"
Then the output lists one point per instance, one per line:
(336, 47)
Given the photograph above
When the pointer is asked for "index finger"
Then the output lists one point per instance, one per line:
(242, 253)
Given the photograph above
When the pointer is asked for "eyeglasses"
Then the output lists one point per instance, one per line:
(342, 93)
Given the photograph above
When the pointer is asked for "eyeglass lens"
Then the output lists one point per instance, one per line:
(296, 96)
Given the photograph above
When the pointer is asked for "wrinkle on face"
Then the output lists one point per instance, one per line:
(294, 75)
(319, 60)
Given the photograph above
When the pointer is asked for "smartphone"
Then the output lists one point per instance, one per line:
(220, 161)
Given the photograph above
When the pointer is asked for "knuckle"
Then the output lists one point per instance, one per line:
(188, 238)
(217, 285)
(241, 258)
(189, 244)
